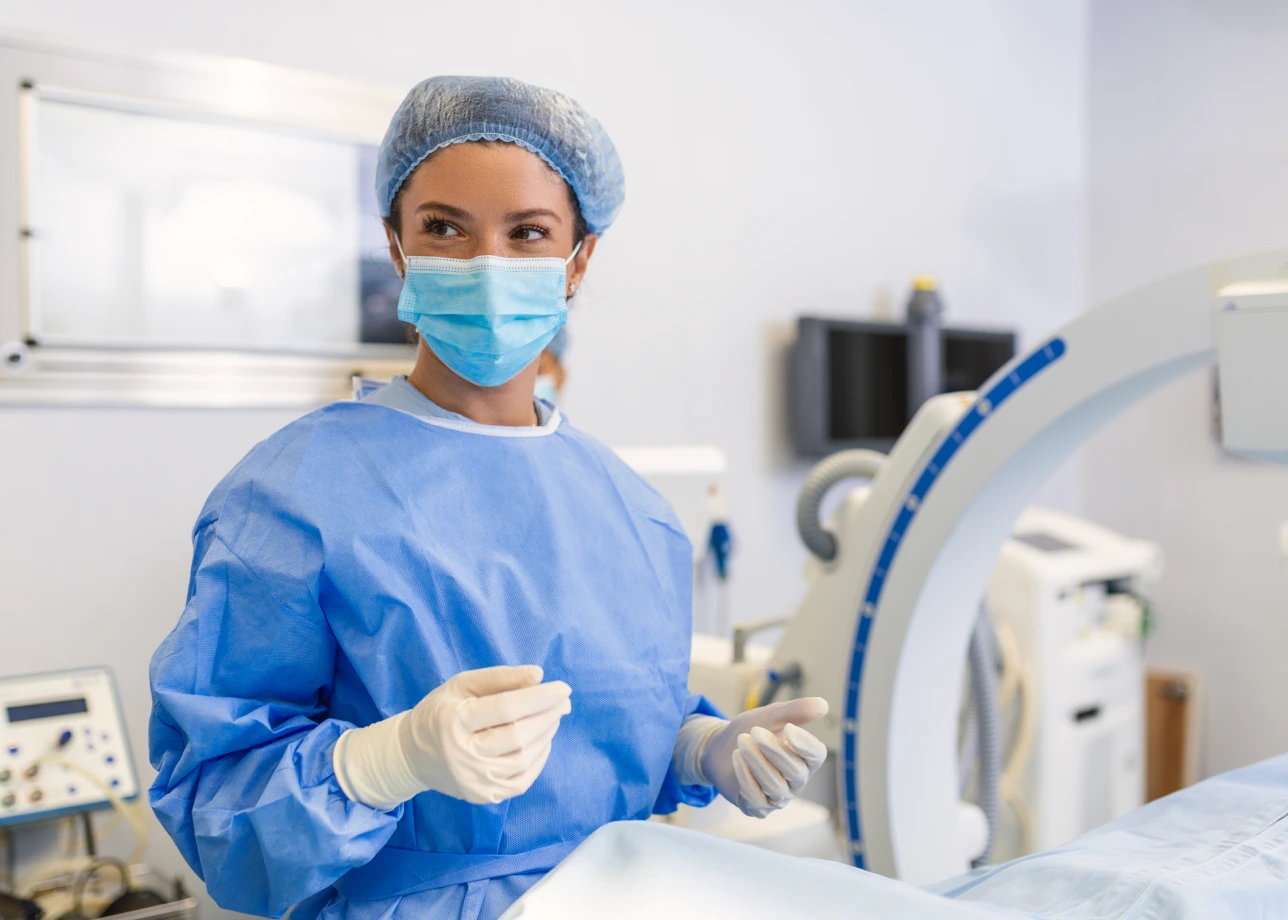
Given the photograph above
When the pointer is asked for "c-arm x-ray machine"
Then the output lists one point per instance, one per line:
(884, 629)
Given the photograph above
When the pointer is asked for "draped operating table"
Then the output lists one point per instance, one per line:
(883, 631)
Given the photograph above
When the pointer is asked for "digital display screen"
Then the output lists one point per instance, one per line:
(971, 357)
(867, 382)
(47, 710)
(868, 375)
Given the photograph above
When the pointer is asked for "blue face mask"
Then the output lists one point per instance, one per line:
(486, 318)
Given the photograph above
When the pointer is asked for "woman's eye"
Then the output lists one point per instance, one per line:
(529, 234)
(441, 228)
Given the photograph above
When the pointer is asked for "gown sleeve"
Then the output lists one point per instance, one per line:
(672, 794)
(239, 734)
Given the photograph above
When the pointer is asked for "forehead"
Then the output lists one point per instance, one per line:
(490, 173)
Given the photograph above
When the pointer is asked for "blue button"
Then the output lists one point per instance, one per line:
(13, 749)
(71, 790)
(110, 759)
(116, 782)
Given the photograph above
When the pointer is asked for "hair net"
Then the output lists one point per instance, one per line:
(448, 110)
(559, 344)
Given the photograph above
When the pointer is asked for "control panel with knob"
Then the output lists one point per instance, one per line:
(62, 745)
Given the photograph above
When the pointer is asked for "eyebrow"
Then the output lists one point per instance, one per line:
(458, 213)
(534, 212)
(512, 217)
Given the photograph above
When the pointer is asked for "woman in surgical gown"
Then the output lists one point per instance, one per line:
(435, 638)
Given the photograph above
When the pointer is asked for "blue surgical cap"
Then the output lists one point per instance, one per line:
(448, 110)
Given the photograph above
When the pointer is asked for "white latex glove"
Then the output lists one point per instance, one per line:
(762, 759)
(483, 736)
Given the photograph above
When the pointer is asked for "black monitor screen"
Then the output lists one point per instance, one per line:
(849, 379)
(867, 382)
(971, 357)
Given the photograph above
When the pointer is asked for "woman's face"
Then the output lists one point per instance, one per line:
(475, 199)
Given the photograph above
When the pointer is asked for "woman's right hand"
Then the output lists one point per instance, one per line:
(483, 736)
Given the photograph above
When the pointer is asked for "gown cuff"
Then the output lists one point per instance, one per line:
(690, 744)
(372, 769)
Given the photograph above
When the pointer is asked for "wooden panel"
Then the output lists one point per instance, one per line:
(1171, 708)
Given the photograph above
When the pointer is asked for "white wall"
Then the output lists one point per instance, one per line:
(781, 158)
(95, 511)
(1188, 163)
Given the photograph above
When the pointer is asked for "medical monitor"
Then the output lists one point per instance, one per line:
(849, 379)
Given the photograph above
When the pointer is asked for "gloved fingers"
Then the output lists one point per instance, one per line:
(489, 780)
(767, 776)
(810, 749)
(483, 712)
(776, 716)
(497, 790)
(490, 795)
(519, 783)
(515, 763)
(523, 782)
(504, 739)
(789, 764)
(486, 681)
(751, 798)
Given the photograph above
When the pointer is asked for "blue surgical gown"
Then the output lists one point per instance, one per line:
(353, 562)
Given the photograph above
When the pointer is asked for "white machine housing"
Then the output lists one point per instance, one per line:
(1062, 584)
(1070, 590)
(883, 630)
(76, 714)
(1251, 330)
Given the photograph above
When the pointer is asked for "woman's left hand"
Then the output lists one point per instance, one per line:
(762, 759)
